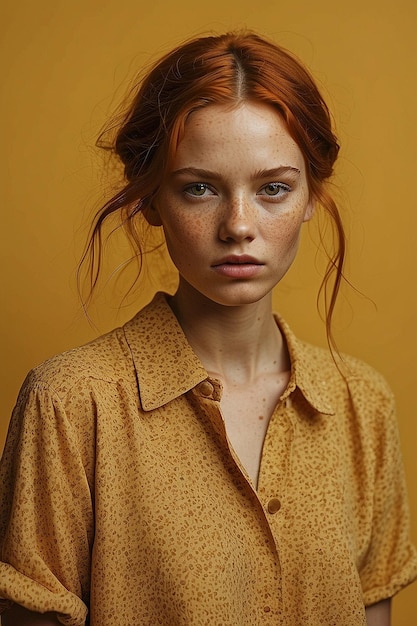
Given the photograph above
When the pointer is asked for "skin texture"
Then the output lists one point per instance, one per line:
(379, 614)
(219, 200)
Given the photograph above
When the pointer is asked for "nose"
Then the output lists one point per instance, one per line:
(237, 222)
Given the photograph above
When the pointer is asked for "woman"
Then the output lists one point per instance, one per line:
(201, 465)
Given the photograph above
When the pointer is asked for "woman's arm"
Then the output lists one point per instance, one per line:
(379, 614)
(46, 514)
(18, 616)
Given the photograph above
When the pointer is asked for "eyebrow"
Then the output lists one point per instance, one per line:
(276, 171)
(208, 174)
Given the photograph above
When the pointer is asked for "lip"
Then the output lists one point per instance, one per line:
(237, 259)
(238, 266)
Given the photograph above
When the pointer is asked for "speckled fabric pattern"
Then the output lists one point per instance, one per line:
(122, 497)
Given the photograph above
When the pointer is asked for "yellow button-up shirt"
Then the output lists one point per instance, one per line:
(121, 494)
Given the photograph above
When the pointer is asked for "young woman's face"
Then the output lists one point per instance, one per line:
(233, 203)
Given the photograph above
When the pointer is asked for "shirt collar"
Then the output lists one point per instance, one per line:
(165, 363)
(307, 371)
(167, 366)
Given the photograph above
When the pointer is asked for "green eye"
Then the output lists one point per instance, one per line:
(272, 189)
(276, 189)
(198, 189)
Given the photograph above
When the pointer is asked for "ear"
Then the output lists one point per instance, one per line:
(151, 215)
(310, 209)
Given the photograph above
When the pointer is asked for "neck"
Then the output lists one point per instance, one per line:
(234, 343)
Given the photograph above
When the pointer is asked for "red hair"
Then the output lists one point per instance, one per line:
(230, 68)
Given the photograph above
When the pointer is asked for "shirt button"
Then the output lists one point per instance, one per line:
(273, 506)
(206, 388)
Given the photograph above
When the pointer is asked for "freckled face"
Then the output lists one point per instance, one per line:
(233, 203)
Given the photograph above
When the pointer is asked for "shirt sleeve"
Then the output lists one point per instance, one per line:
(391, 559)
(46, 513)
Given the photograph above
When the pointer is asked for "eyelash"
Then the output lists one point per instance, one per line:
(188, 189)
(279, 187)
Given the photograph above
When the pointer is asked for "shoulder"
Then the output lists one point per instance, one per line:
(130, 357)
(356, 390)
(106, 358)
(338, 382)
(353, 371)
(361, 375)
(370, 395)
(348, 369)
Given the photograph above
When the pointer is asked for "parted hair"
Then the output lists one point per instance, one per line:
(226, 69)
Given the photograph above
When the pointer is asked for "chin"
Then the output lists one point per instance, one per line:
(239, 297)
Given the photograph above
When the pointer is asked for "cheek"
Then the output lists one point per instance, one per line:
(287, 230)
(186, 228)
(187, 238)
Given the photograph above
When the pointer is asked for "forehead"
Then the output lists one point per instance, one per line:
(245, 131)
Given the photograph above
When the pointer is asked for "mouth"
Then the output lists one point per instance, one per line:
(238, 266)
(237, 259)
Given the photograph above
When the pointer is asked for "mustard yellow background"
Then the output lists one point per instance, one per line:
(62, 64)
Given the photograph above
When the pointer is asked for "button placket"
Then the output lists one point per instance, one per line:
(276, 461)
(207, 394)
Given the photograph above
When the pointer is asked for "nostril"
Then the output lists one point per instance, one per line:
(237, 227)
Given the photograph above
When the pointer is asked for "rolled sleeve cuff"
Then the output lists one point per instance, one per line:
(16, 588)
(398, 581)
